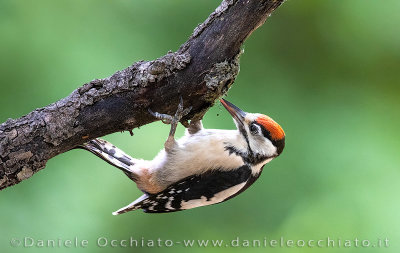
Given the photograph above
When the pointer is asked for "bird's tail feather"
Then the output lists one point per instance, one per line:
(112, 155)
(137, 204)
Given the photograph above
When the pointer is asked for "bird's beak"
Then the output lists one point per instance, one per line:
(237, 114)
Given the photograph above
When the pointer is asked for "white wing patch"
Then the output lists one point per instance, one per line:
(168, 205)
(256, 169)
(220, 196)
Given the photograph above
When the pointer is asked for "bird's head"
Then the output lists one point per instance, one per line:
(265, 138)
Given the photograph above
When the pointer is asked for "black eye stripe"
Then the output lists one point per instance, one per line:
(264, 131)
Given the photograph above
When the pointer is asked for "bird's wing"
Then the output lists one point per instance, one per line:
(210, 188)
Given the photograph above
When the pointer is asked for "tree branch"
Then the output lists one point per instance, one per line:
(201, 71)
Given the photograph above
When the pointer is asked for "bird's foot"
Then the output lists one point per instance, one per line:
(173, 120)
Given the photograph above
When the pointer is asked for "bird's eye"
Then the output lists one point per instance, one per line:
(253, 129)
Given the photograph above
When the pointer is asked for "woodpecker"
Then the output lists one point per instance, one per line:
(204, 167)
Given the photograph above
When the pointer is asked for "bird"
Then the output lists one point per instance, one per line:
(204, 167)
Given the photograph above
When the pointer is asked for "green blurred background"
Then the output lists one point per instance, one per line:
(327, 71)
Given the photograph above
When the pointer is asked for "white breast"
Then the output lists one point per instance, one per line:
(196, 154)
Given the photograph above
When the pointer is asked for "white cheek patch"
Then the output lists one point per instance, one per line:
(269, 148)
(262, 146)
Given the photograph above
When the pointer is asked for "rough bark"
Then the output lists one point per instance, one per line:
(201, 71)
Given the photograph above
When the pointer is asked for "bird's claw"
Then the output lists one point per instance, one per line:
(173, 120)
(165, 118)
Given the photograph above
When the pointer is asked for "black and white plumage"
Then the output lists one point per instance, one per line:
(204, 167)
(210, 188)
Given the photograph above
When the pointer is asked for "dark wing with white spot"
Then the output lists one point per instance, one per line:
(200, 190)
